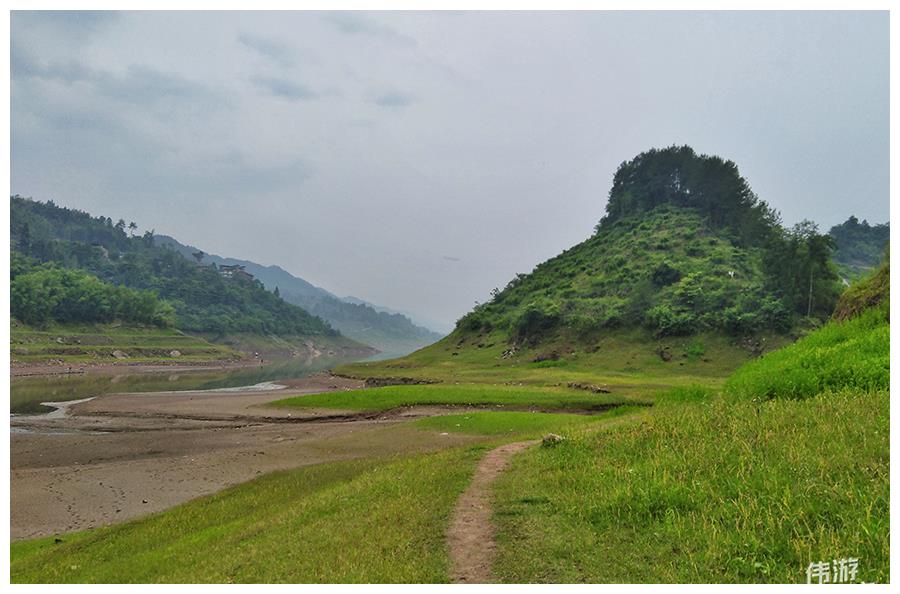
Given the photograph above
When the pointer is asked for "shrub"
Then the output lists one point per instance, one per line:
(668, 321)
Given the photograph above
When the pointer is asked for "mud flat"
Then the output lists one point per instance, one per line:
(117, 456)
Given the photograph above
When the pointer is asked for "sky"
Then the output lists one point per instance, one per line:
(419, 160)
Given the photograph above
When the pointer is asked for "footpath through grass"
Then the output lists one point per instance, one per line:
(509, 397)
(356, 521)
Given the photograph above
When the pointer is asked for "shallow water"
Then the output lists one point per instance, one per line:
(27, 393)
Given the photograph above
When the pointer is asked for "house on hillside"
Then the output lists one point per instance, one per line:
(235, 271)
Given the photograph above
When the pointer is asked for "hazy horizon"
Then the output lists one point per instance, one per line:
(418, 160)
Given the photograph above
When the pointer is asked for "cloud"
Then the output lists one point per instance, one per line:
(357, 23)
(394, 99)
(284, 88)
(274, 50)
(73, 24)
(137, 85)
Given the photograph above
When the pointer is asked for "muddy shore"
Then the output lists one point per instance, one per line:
(118, 456)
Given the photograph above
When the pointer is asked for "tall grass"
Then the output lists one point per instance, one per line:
(850, 354)
(716, 491)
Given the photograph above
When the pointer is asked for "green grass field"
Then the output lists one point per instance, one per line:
(508, 397)
(713, 491)
(518, 424)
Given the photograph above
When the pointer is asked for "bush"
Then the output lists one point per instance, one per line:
(668, 321)
(533, 323)
(665, 275)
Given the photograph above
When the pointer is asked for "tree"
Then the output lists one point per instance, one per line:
(132, 227)
(198, 256)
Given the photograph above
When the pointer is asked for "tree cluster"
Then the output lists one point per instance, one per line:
(40, 294)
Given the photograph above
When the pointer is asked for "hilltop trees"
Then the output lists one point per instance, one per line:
(796, 261)
(708, 184)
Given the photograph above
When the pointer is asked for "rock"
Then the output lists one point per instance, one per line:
(588, 387)
(175, 353)
(119, 354)
(551, 356)
(552, 439)
(664, 353)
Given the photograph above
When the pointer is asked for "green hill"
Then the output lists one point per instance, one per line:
(685, 247)
(205, 301)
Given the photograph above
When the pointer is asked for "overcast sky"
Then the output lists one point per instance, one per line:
(418, 160)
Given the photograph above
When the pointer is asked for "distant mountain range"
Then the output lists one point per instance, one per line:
(387, 330)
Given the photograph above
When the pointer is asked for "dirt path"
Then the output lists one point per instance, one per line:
(471, 533)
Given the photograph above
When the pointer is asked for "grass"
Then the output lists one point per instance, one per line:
(519, 424)
(715, 491)
(626, 361)
(512, 397)
(854, 353)
(96, 344)
(356, 521)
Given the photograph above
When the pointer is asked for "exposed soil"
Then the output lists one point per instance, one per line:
(118, 456)
(470, 536)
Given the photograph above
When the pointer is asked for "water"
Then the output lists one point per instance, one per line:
(27, 393)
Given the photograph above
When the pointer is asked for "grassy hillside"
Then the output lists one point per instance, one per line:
(789, 465)
(666, 270)
(109, 343)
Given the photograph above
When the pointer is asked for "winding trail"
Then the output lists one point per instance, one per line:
(470, 536)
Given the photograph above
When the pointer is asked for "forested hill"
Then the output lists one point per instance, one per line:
(685, 247)
(389, 332)
(204, 300)
(859, 246)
